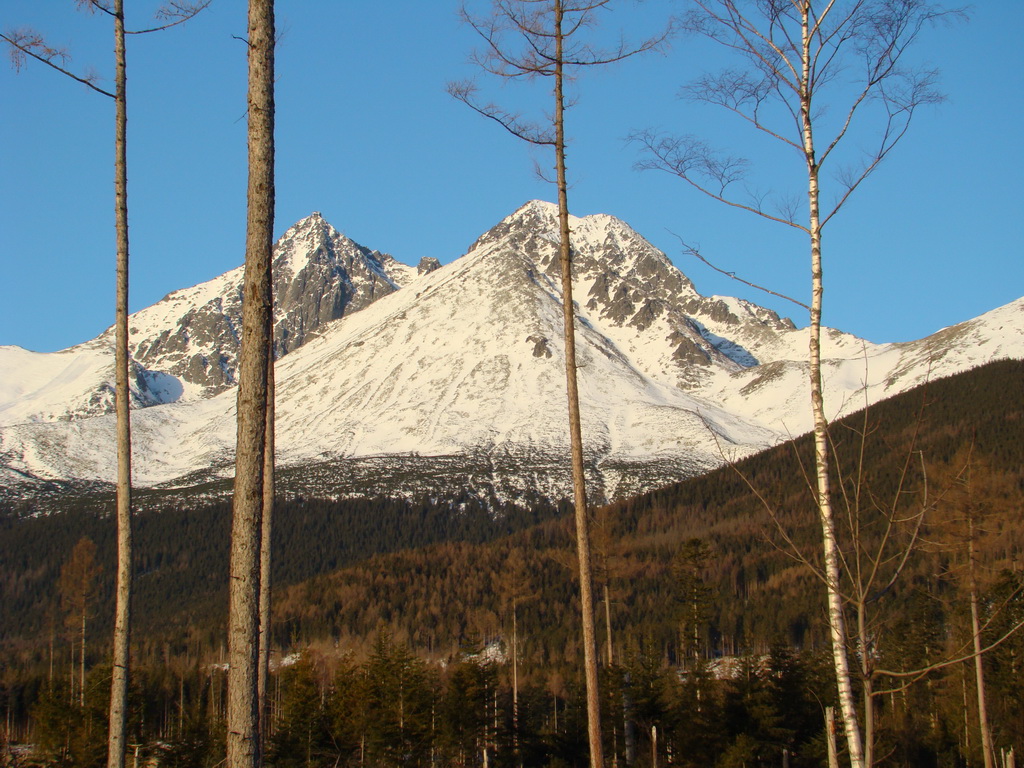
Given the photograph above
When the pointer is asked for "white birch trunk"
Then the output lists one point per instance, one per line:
(987, 748)
(830, 548)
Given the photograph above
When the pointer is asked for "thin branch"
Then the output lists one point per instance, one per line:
(917, 674)
(693, 251)
(518, 43)
(793, 552)
(528, 132)
(176, 12)
(686, 156)
(91, 6)
(26, 43)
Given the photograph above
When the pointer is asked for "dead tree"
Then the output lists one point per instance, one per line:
(524, 40)
(28, 43)
(77, 587)
(974, 491)
(243, 714)
(799, 57)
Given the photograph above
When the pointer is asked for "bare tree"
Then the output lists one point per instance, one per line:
(800, 57)
(28, 43)
(243, 714)
(524, 40)
(975, 491)
(77, 587)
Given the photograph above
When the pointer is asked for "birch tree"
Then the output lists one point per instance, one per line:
(815, 72)
(526, 40)
(26, 43)
(243, 713)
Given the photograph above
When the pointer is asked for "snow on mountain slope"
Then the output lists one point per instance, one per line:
(631, 292)
(467, 360)
(72, 384)
(857, 373)
(319, 275)
(473, 360)
(38, 387)
(456, 381)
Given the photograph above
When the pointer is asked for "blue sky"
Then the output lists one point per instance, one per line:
(367, 135)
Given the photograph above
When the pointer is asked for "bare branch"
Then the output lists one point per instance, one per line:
(693, 160)
(175, 13)
(917, 674)
(695, 252)
(791, 550)
(519, 43)
(28, 43)
(91, 6)
(532, 133)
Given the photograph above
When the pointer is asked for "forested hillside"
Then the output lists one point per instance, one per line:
(181, 560)
(756, 593)
(690, 575)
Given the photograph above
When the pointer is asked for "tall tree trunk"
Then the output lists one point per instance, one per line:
(575, 431)
(243, 742)
(868, 691)
(515, 689)
(830, 547)
(608, 625)
(628, 722)
(265, 542)
(830, 737)
(81, 663)
(987, 749)
(837, 626)
(122, 395)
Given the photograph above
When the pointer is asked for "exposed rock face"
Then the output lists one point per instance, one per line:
(319, 276)
(202, 348)
(630, 285)
(458, 383)
(540, 345)
(427, 265)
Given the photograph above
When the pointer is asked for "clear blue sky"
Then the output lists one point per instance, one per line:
(367, 135)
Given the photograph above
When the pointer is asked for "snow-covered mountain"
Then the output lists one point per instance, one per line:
(185, 347)
(394, 379)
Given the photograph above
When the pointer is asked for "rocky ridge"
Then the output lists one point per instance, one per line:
(456, 381)
(185, 347)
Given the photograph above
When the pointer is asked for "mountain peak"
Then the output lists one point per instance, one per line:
(541, 217)
(451, 383)
(309, 228)
(536, 208)
(314, 218)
